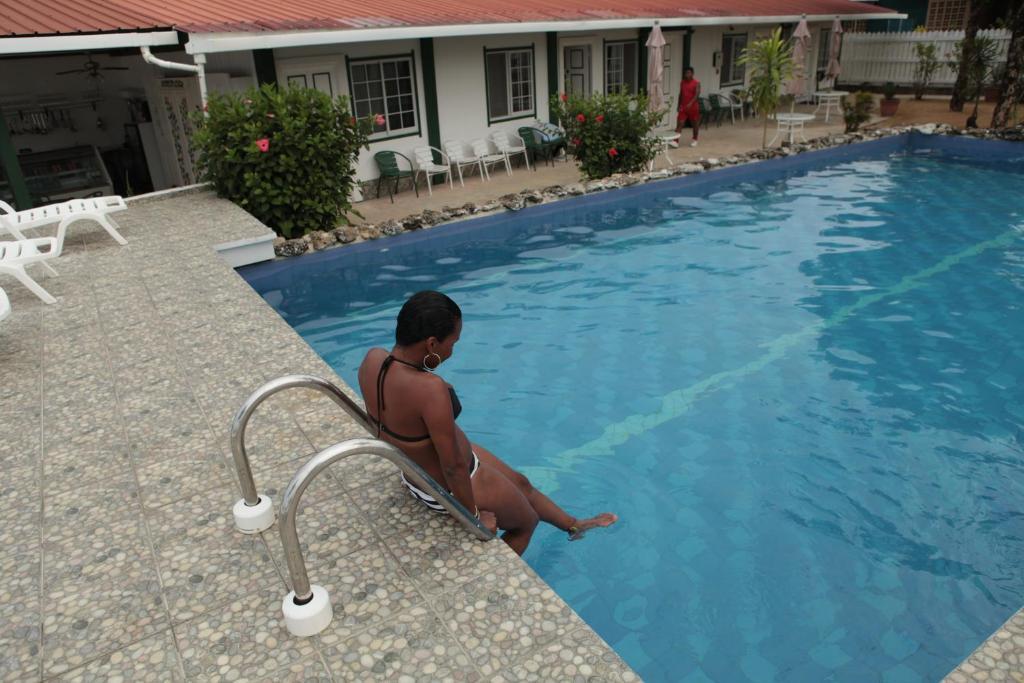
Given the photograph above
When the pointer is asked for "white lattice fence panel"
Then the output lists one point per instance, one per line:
(881, 57)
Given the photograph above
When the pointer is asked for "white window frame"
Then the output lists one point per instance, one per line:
(608, 71)
(510, 100)
(388, 133)
(730, 55)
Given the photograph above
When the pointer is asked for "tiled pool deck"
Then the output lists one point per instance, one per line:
(117, 552)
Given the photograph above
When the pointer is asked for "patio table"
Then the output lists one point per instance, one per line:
(830, 99)
(791, 124)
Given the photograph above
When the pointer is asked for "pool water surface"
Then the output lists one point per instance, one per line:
(797, 384)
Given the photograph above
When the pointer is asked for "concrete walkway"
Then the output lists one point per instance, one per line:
(716, 141)
(118, 559)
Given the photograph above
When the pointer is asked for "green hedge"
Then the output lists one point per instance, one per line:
(286, 155)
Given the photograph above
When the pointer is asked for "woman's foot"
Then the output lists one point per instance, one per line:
(581, 526)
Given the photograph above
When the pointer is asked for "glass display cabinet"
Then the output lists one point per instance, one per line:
(70, 173)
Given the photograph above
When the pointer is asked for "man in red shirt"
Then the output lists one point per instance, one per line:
(689, 107)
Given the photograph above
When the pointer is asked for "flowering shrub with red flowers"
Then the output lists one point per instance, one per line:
(286, 155)
(607, 133)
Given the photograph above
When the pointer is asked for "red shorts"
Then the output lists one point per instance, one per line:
(692, 115)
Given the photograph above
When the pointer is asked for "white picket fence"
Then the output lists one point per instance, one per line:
(881, 57)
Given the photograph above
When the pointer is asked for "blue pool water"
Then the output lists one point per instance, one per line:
(799, 385)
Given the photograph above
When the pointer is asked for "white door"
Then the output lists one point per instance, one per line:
(178, 101)
(577, 69)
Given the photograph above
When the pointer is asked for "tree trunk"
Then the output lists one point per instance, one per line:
(1010, 90)
(978, 14)
(764, 133)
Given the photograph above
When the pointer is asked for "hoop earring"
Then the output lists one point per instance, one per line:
(431, 368)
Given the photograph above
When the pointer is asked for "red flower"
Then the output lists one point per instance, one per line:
(263, 144)
(576, 142)
(581, 118)
(378, 119)
(599, 118)
(206, 107)
(613, 152)
(565, 98)
(351, 120)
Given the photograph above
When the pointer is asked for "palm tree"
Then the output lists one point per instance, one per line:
(1011, 90)
(981, 14)
(771, 64)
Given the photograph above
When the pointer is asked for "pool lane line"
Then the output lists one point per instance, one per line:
(677, 403)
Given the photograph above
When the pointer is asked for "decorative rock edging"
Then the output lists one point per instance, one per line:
(428, 218)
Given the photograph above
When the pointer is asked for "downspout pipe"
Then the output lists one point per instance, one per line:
(199, 68)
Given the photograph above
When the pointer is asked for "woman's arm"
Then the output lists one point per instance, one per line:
(440, 421)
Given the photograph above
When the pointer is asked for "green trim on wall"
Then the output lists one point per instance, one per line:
(266, 68)
(12, 169)
(641, 83)
(552, 40)
(430, 95)
(687, 48)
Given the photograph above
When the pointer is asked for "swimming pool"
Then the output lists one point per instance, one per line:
(797, 382)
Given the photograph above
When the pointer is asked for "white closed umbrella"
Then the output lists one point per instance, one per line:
(655, 69)
(835, 43)
(797, 84)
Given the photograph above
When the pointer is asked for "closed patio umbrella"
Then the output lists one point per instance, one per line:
(797, 84)
(835, 43)
(655, 69)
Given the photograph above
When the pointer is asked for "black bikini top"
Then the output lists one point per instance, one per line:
(456, 405)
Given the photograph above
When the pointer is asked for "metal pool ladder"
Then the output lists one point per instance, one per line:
(307, 608)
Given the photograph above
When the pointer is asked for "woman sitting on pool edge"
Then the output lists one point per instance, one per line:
(415, 411)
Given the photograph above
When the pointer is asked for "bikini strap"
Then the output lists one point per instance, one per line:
(380, 386)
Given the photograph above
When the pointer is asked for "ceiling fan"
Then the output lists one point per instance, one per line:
(91, 69)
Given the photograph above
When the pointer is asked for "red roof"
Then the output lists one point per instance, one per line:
(48, 17)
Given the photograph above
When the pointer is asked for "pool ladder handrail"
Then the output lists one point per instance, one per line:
(307, 608)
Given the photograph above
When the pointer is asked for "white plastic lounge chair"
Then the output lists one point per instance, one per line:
(94, 208)
(14, 256)
(503, 144)
(456, 152)
(425, 164)
(5, 304)
(483, 152)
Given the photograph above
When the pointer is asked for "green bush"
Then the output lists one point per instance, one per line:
(927, 64)
(858, 111)
(607, 133)
(285, 155)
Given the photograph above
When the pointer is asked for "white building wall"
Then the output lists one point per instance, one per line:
(462, 83)
(332, 58)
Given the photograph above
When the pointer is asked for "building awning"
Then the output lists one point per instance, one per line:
(228, 25)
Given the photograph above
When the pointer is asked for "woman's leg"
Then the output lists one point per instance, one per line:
(545, 508)
(515, 515)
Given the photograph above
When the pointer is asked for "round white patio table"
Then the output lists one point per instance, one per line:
(830, 99)
(791, 124)
(666, 140)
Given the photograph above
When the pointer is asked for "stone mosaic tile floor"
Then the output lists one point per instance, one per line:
(117, 554)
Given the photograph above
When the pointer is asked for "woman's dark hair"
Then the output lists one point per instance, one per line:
(426, 314)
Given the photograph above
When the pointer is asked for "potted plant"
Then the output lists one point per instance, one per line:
(890, 103)
(991, 89)
(857, 110)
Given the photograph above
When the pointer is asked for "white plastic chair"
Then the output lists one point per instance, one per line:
(503, 144)
(424, 157)
(5, 304)
(483, 152)
(458, 158)
(93, 208)
(14, 256)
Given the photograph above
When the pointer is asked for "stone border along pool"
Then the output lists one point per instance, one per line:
(1001, 656)
(350, 234)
